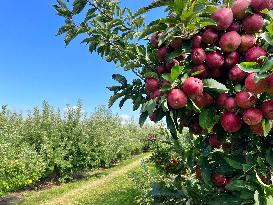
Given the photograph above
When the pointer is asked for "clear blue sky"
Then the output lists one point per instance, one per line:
(35, 65)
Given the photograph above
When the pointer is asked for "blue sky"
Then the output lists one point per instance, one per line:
(36, 66)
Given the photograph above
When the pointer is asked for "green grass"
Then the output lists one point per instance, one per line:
(118, 190)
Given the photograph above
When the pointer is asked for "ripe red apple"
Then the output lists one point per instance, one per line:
(216, 73)
(223, 18)
(254, 87)
(236, 74)
(218, 180)
(226, 146)
(176, 99)
(153, 117)
(267, 109)
(214, 142)
(257, 129)
(203, 100)
(151, 85)
(185, 118)
(230, 104)
(215, 60)
(171, 64)
(248, 41)
(231, 59)
(195, 128)
(254, 54)
(245, 99)
(154, 39)
(269, 91)
(235, 26)
(239, 9)
(184, 122)
(253, 24)
(269, 80)
(162, 69)
(204, 73)
(156, 94)
(210, 36)
(198, 56)
(181, 57)
(252, 116)
(165, 83)
(161, 53)
(259, 5)
(220, 101)
(230, 41)
(198, 172)
(193, 87)
(197, 42)
(231, 122)
(176, 43)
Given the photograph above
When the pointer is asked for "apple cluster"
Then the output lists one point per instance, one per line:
(234, 36)
(216, 53)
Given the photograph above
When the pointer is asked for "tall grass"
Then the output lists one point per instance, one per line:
(48, 144)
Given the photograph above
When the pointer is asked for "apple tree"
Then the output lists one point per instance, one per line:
(206, 66)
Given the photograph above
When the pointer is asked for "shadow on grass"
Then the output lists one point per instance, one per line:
(9, 199)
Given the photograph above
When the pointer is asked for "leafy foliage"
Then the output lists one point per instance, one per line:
(46, 144)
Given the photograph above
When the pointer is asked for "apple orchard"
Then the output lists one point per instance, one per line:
(206, 68)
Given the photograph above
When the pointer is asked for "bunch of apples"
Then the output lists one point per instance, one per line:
(216, 52)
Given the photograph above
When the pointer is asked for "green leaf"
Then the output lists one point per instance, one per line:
(233, 163)
(170, 56)
(166, 76)
(78, 6)
(207, 118)
(268, 65)
(164, 105)
(149, 106)
(268, 189)
(193, 106)
(90, 14)
(247, 167)
(175, 72)
(70, 35)
(62, 4)
(114, 98)
(215, 85)
(121, 79)
(266, 126)
(151, 75)
(269, 157)
(122, 101)
(114, 88)
(269, 200)
(225, 200)
(267, 38)
(143, 117)
(186, 46)
(171, 125)
(238, 185)
(179, 5)
(65, 29)
(270, 31)
(137, 102)
(249, 67)
(259, 199)
(206, 170)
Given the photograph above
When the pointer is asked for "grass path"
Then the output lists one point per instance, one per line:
(113, 187)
